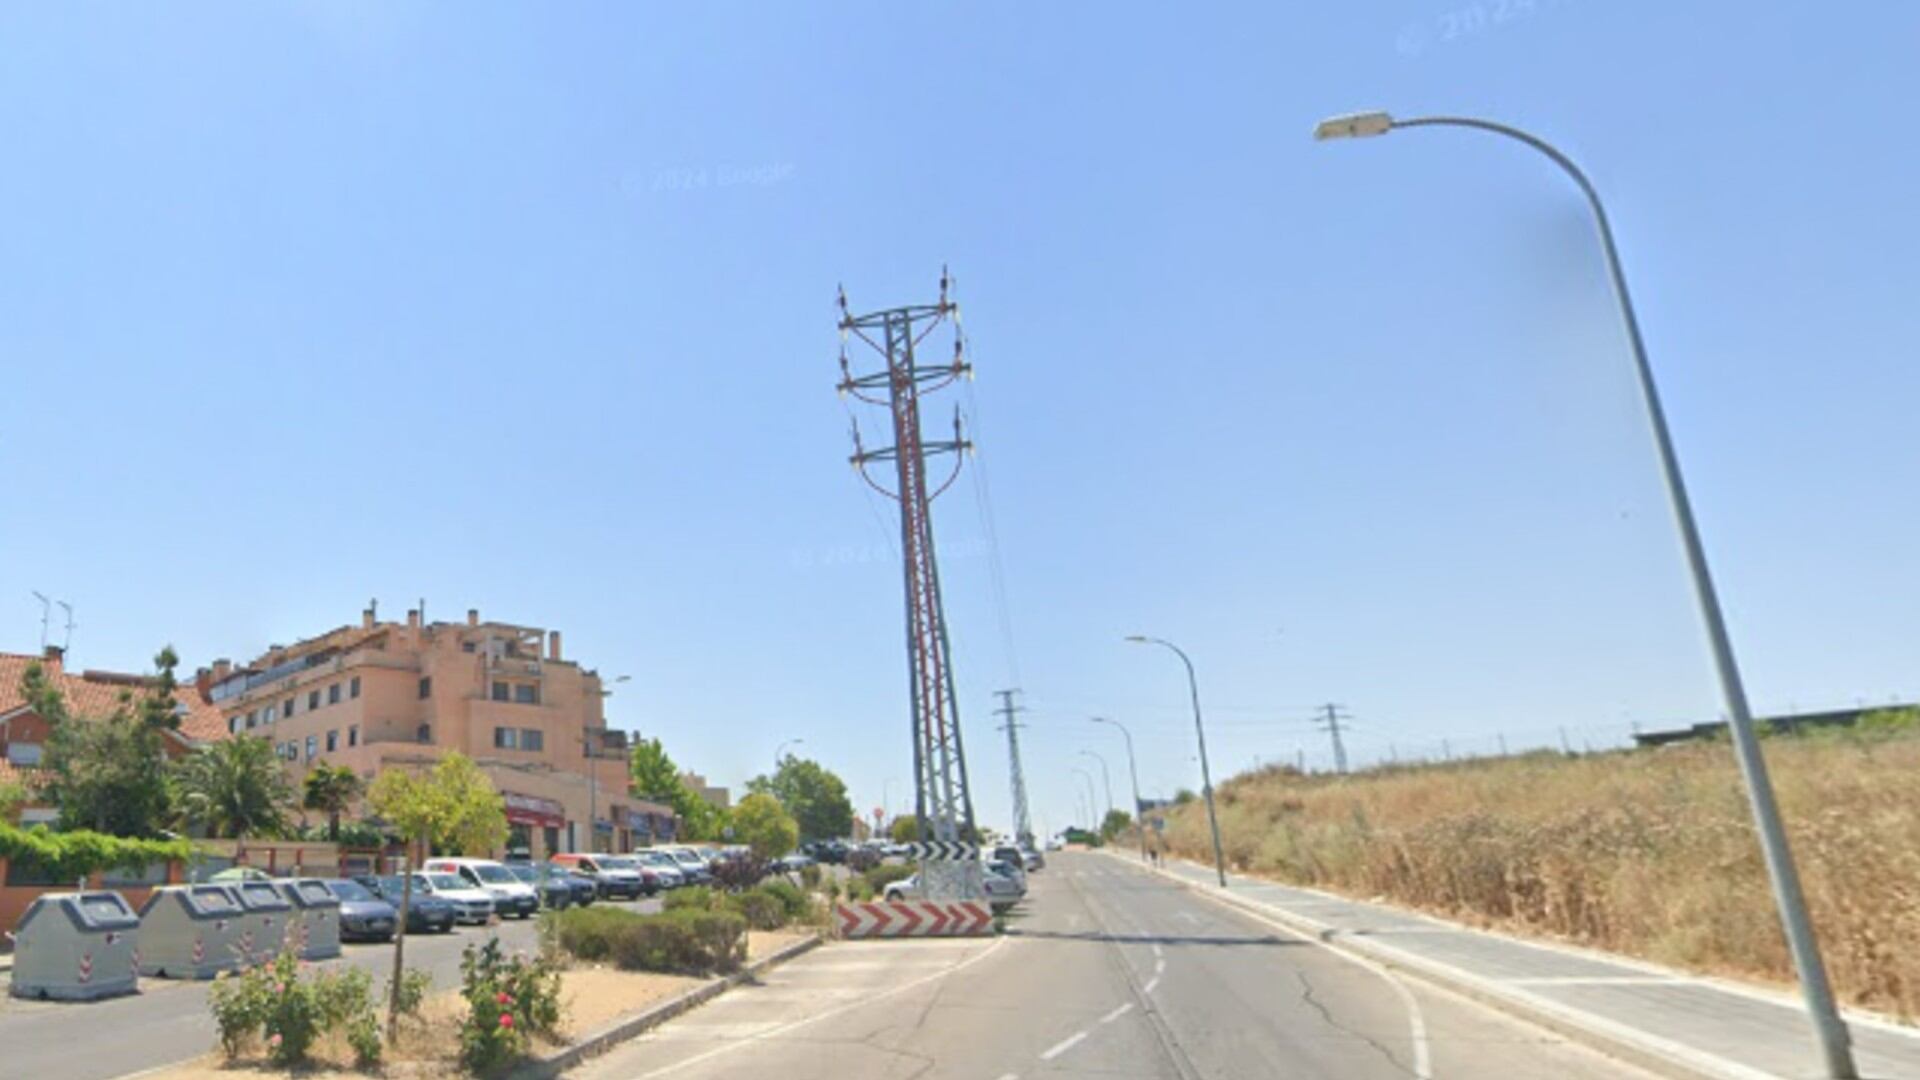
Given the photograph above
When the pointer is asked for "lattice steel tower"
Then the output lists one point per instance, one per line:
(941, 798)
(1022, 822)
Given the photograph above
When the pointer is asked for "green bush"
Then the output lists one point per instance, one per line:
(798, 905)
(697, 897)
(761, 909)
(414, 985)
(880, 877)
(810, 876)
(289, 1006)
(686, 940)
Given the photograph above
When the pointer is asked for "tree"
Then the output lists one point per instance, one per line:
(109, 774)
(815, 797)
(761, 823)
(1184, 796)
(456, 806)
(1116, 822)
(330, 789)
(656, 777)
(904, 830)
(12, 797)
(236, 787)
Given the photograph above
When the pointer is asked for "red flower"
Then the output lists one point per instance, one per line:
(502, 998)
(506, 1020)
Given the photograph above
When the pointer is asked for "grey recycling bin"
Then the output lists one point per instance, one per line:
(265, 922)
(314, 921)
(76, 947)
(191, 931)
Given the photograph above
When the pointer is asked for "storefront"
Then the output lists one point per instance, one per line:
(533, 826)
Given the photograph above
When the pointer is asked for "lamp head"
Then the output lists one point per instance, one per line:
(1354, 126)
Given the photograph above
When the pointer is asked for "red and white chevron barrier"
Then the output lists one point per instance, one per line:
(86, 968)
(915, 918)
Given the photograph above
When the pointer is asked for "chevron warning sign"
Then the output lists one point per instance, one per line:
(915, 918)
(944, 851)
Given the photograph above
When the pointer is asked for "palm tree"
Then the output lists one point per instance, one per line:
(331, 789)
(235, 788)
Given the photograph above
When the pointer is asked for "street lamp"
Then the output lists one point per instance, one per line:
(593, 740)
(1106, 778)
(779, 753)
(1093, 806)
(1206, 776)
(1830, 1033)
(1133, 773)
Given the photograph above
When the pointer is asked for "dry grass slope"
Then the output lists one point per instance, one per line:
(1645, 853)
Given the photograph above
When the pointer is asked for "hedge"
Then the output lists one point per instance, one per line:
(683, 941)
(68, 856)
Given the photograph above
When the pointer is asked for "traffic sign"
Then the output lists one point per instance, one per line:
(943, 851)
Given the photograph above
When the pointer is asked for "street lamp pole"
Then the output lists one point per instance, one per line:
(1133, 773)
(1829, 1030)
(1106, 778)
(593, 740)
(1093, 804)
(1206, 776)
(779, 753)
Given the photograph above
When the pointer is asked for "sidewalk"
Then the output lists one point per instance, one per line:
(1655, 1017)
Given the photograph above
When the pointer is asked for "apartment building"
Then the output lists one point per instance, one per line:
(384, 695)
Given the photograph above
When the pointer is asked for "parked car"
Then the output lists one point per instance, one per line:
(1002, 891)
(1033, 859)
(471, 904)
(794, 863)
(692, 866)
(616, 877)
(426, 913)
(999, 869)
(584, 890)
(664, 867)
(363, 915)
(1011, 855)
(555, 893)
(511, 896)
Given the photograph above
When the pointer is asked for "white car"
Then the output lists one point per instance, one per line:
(693, 866)
(665, 869)
(470, 904)
(1002, 891)
(510, 895)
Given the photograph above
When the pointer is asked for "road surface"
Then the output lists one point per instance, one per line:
(1109, 972)
(168, 1020)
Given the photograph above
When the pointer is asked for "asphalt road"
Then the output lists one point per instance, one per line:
(168, 1020)
(1107, 972)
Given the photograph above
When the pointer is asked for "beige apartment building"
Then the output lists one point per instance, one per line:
(385, 695)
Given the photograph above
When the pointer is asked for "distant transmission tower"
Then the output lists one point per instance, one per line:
(1332, 728)
(1022, 824)
(941, 797)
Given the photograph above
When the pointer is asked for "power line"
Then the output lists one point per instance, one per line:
(1331, 724)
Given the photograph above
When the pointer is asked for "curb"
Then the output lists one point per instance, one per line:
(653, 1016)
(1650, 1052)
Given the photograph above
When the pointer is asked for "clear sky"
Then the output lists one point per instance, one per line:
(529, 309)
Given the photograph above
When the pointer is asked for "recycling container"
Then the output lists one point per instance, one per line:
(265, 919)
(191, 931)
(315, 919)
(76, 947)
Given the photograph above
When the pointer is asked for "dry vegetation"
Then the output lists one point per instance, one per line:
(1648, 853)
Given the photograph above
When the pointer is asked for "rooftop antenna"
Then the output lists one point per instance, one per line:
(66, 643)
(46, 608)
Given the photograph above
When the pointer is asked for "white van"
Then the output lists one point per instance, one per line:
(511, 896)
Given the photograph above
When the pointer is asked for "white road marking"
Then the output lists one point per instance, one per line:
(1595, 980)
(1151, 983)
(1117, 1013)
(1156, 950)
(1009, 1076)
(805, 1020)
(1063, 1046)
(1159, 968)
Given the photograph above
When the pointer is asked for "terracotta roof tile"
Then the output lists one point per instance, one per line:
(97, 693)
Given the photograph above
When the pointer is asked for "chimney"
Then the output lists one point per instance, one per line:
(413, 619)
(222, 668)
(203, 683)
(54, 655)
(366, 619)
(473, 616)
(553, 644)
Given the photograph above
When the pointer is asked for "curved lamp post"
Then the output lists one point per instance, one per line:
(1093, 805)
(1206, 776)
(1829, 1031)
(1106, 779)
(780, 753)
(1133, 773)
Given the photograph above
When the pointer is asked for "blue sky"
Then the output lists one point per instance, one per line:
(531, 310)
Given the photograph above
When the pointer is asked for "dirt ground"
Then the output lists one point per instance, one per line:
(594, 997)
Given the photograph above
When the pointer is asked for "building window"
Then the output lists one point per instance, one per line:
(353, 687)
(313, 746)
(313, 700)
(333, 741)
(23, 753)
(266, 715)
(532, 739)
(286, 709)
(253, 717)
(424, 734)
(499, 691)
(333, 694)
(353, 734)
(233, 725)
(466, 646)
(426, 687)
(505, 738)
(526, 693)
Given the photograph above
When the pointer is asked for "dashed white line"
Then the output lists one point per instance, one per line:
(1159, 968)
(1063, 1046)
(1151, 983)
(1156, 950)
(1009, 1076)
(1117, 1013)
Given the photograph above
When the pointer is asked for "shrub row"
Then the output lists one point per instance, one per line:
(765, 907)
(683, 940)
